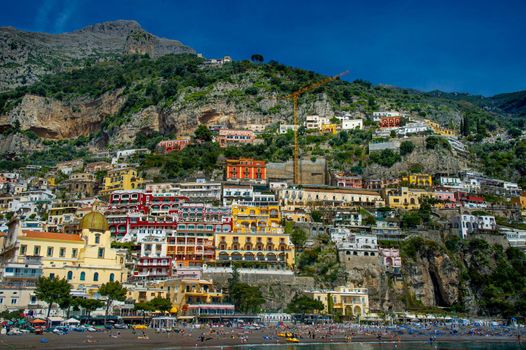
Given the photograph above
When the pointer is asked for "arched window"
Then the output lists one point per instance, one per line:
(83, 276)
(112, 277)
(70, 275)
(95, 277)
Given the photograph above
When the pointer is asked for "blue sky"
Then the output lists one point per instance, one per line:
(462, 45)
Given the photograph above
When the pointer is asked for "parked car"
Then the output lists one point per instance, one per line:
(121, 326)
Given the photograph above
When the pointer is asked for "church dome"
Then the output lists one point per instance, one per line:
(94, 221)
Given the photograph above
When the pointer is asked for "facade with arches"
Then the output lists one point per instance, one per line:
(405, 198)
(349, 301)
(257, 236)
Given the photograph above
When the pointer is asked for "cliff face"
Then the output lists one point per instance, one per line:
(53, 119)
(26, 56)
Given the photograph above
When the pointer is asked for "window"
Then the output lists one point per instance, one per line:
(83, 276)
(36, 250)
(112, 277)
(95, 277)
(62, 252)
(23, 249)
(70, 275)
(97, 239)
(49, 251)
(74, 252)
(101, 253)
(14, 301)
(51, 276)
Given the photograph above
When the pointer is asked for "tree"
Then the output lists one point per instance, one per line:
(302, 304)
(298, 237)
(90, 305)
(160, 304)
(202, 133)
(406, 147)
(144, 306)
(247, 298)
(257, 58)
(112, 291)
(52, 290)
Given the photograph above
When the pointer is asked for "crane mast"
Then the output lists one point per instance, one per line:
(294, 97)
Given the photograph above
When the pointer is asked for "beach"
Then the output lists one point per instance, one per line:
(225, 338)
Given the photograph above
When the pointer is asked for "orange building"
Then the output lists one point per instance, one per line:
(390, 122)
(246, 169)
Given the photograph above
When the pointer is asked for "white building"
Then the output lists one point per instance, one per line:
(412, 128)
(467, 224)
(127, 153)
(314, 122)
(452, 182)
(379, 115)
(353, 244)
(516, 237)
(351, 124)
(200, 190)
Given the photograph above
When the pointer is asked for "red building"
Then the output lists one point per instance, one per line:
(246, 169)
(390, 122)
(168, 146)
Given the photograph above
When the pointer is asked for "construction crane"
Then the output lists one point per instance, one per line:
(295, 96)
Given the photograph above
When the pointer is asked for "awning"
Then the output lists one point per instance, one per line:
(72, 321)
(38, 321)
(55, 319)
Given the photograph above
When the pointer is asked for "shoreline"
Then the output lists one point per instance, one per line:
(236, 339)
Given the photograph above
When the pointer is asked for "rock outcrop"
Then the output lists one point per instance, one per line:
(53, 119)
(26, 56)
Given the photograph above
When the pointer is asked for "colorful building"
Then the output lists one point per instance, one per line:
(257, 236)
(246, 169)
(348, 181)
(193, 298)
(405, 198)
(390, 122)
(168, 146)
(347, 301)
(229, 137)
(85, 260)
(417, 180)
(122, 179)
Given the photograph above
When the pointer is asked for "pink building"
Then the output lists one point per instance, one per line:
(348, 181)
(168, 146)
(228, 137)
(447, 199)
(391, 258)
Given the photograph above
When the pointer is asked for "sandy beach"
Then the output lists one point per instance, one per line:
(212, 338)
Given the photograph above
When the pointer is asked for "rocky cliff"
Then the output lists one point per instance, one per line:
(27, 56)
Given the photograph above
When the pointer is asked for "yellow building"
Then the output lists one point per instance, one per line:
(438, 129)
(141, 293)
(520, 201)
(346, 301)
(257, 235)
(418, 180)
(405, 198)
(195, 297)
(85, 260)
(122, 179)
(332, 128)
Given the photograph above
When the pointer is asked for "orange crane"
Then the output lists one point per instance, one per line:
(294, 96)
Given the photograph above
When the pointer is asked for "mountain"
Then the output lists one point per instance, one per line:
(512, 104)
(27, 56)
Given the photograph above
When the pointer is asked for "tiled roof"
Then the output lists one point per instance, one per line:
(53, 236)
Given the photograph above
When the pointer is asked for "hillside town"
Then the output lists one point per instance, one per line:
(96, 223)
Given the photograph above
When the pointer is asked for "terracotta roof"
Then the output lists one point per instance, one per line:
(53, 235)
